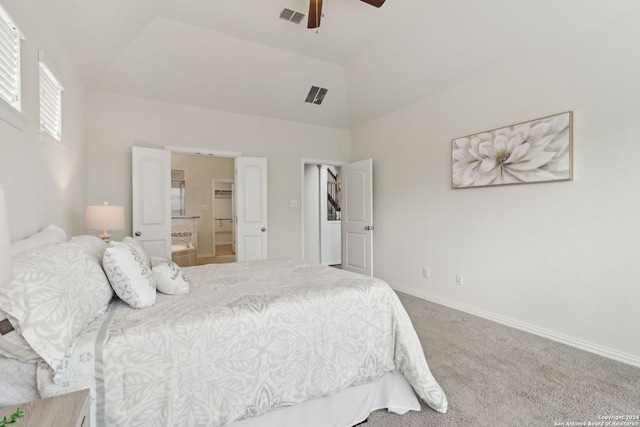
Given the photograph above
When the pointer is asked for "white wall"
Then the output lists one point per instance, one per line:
(44, 185)
(116, 123)
(559, 258)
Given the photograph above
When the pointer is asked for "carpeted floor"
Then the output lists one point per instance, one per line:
(496, 376)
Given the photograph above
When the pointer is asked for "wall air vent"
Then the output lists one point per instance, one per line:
(292, 16)
(316, 95)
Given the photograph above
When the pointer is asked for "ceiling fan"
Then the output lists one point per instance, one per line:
(315, 11)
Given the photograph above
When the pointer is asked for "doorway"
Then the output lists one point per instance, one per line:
(322, 200)
(224, 236)
(201, 172)
(151, 201)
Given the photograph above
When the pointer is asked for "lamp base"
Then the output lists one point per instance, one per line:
(105, 236)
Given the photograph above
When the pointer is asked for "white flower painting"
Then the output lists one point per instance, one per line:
(536, 151)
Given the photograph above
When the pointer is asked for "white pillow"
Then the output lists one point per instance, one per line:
(49, 235)
(129, 275)
(133, 242)
(12, 344)
(169, 277)
(93, 245)
(55, 292)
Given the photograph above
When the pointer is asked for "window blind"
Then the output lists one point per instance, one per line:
(50, 103)
(10, 37)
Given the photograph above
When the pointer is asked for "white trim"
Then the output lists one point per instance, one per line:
(51, 142)
(50, 69)
(322, 162)
(6, 15)
(609, 353)
(203, 151)
(317, 162)
(13, 116)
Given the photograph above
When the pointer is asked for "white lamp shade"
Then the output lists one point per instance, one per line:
(104, 217)
(6, 264)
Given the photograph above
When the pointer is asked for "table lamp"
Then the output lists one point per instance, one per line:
(104, 217)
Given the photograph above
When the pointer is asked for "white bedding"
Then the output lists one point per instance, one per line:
(249, 338)
(17, 382)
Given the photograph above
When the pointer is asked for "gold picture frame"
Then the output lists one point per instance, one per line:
(539, 150)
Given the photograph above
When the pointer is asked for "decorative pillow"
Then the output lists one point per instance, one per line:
(129, 275)
(93, 245)
(55, 292)
(169, 277)
(49, 235)
(133, 242)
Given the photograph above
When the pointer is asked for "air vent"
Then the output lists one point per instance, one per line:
(316, 95)
(291, 16)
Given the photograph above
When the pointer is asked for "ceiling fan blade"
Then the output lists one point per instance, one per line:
(376, 3)
(315, 13)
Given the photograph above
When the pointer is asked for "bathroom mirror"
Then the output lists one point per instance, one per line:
(177, 193)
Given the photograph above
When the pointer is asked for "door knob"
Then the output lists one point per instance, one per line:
(138, 234)
(369, 227)
(264, 229)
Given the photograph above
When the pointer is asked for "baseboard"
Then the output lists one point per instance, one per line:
(564, 339)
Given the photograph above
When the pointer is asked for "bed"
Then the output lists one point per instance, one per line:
(264, 343)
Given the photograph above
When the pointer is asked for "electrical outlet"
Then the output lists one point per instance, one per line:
(459, 279)
(426, 272)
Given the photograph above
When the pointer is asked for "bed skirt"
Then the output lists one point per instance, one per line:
(343, 409)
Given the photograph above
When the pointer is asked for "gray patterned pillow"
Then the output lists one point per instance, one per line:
(138, 247)
(12, 344)
(55, 292)
(93, 245)
(129, 275)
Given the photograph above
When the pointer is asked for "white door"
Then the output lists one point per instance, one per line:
(151, 208)
(251, 208)
(233, 218)
(357, 217)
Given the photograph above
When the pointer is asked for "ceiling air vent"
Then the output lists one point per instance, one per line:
(291, 16)
(316, 95)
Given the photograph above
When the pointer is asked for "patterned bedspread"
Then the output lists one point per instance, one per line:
(250, 337)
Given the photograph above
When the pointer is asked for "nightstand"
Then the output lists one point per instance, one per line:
(66, 410)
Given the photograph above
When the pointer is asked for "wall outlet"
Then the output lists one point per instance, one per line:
(459, 279)
(426, 272)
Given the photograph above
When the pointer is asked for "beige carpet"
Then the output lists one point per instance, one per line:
(494, 375)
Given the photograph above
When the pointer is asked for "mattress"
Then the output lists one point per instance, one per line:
(250, 339)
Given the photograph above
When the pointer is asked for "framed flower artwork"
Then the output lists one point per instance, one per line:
(539, 150)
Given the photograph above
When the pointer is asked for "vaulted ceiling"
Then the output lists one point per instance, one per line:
(237, 55)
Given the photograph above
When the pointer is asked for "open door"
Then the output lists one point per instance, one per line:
(251, 208)
(151, 202)
(357, 217)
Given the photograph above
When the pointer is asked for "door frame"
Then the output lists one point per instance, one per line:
(303, 163)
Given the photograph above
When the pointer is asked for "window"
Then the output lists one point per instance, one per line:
(10, 37)
(50, 104)
(10, 104)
